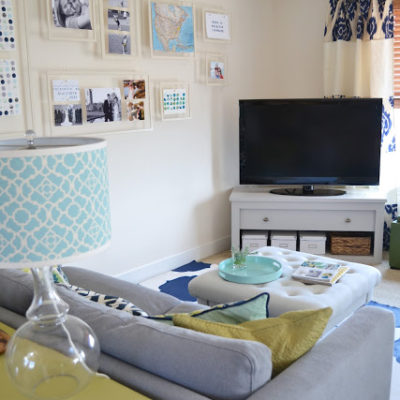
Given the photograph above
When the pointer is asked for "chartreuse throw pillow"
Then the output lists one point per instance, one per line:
(288, 336)
(231, 313)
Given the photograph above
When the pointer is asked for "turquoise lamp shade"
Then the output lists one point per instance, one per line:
(54, 201)
(54, 208)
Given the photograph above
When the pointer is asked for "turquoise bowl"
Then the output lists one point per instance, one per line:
(258, 269)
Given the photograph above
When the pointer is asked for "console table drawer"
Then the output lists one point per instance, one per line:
(308, 220)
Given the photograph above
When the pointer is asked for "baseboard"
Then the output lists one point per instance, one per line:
(166, 264)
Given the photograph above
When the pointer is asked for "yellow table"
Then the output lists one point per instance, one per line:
(100, 388)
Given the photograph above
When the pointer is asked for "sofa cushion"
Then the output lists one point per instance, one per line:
(216, 367)
(231, 313)
(288, 336)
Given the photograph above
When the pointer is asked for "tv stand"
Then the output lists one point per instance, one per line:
(355, 211)
(308, 190)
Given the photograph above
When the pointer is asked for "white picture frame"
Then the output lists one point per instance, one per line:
(174, 101)
(119, 29)
(216, 69)
(98, 83)
(184, 15)
(59, 29)
(15, 81)
(217, 26)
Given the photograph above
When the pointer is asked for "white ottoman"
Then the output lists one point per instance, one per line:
(352, 291)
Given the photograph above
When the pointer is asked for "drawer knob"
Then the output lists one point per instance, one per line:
(348, 220)
(266, 219)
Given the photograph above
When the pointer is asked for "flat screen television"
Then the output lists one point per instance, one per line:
(310, 142)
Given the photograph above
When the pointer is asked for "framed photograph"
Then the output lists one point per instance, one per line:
(172, 28)
(216, 69)
(67, 114)
(118, 20)
(103, 105)
(175, 101)
(135, 93)
(118, 3)
(120, 32)
(216, 26)
(71, 20)
(119, 43)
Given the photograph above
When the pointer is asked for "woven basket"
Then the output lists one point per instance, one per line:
(350, 245)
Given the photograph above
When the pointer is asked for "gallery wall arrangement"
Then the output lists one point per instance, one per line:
(84, 101)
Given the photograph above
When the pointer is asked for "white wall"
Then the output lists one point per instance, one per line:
(170, 186)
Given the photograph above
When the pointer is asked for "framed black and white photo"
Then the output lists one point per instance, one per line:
(71, 20)
(119, 28)
(119, 43)
(67, 114)
(118, 20)
(217, 26)
(103, 105)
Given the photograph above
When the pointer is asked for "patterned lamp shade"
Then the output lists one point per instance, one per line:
(54, 201)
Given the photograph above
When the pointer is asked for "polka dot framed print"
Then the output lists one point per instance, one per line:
(9, 89)
(7, 26)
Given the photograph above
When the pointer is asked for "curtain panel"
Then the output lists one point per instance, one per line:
(358, 62)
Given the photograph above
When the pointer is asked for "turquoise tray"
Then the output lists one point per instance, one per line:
(258, 270)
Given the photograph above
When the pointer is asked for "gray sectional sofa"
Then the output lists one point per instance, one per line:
(352, 362)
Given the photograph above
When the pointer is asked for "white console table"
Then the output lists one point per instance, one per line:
(255, 208)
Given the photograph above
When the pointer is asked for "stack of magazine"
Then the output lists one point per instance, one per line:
(319, 272)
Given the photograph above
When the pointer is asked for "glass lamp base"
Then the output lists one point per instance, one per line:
(52, 356)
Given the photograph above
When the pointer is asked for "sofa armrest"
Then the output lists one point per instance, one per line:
(354, 362)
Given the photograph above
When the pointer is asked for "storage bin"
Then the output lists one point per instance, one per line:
(351, 244)
(284, 239)
(254, 240)
(313, 242)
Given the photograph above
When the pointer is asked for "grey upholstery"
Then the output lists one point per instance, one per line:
(164, 362)
(153, 346)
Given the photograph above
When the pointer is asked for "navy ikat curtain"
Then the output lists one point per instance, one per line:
(358, 53)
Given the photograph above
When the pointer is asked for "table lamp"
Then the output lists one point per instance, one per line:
(54, 208)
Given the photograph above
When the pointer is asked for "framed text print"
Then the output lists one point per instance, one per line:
(172, 28)
(175, 101)
(217, 26)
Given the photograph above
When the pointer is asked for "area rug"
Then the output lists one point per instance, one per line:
(176, 283)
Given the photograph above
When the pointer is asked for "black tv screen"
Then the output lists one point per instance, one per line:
(310, 141)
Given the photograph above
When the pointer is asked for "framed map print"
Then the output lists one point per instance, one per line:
(217, 26)
(172, 28)
(175, 101)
